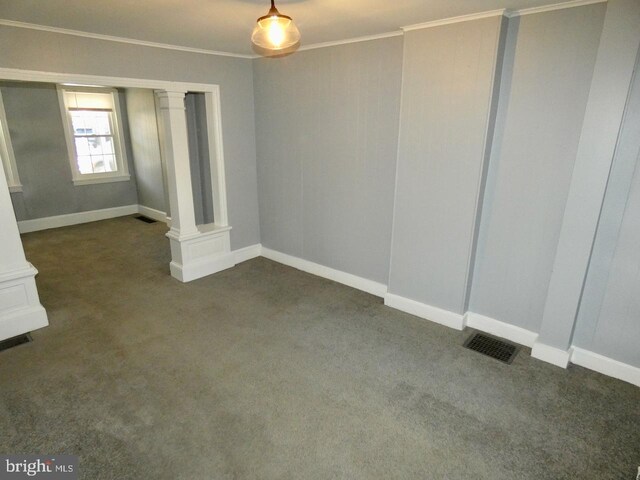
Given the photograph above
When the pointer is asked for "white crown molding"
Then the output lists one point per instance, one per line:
(112, 38)
(461, 18)
(501, 12)
(551, 8)
(365, 38)
(313, 46)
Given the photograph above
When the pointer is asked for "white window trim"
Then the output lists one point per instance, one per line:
(6, 153)
(122, 175)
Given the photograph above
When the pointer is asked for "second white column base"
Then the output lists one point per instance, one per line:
(201, 254)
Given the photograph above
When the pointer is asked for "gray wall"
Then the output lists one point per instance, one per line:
(329, 142)
(145, 145)
(53, 52)
(37, 133)
(608, 317)
(199, 157)
(447, 94)
(327, 129)
(543, 104)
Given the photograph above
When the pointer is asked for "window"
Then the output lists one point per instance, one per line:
(6, 153)
(94, 139)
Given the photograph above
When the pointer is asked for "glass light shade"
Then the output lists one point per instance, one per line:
(275, 32)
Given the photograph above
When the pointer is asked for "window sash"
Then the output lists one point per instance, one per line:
(112, 163)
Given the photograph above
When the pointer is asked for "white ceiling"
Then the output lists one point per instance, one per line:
(225, 25)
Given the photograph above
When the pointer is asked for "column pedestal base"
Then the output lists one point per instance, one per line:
(20, 309)
(198, 255)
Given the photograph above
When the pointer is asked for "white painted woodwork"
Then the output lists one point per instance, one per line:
(20, 309)
(172, 111)
(195, 251)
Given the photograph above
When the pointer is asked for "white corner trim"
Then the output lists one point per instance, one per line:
(112, 38)
(26, 226)
(152, 213)
(605, 365)
(500, 329)
(549, 354)
(365, 38)
(550, 8)
(422, 310)
(369, 286)
(461, 18)
(247, 253)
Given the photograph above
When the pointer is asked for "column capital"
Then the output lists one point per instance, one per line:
(171, 98)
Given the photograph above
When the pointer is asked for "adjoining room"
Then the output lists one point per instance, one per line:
(402, 243)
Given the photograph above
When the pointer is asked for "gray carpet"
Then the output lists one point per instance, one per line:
(265, 372)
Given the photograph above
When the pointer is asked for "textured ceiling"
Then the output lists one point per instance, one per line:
(225, 25)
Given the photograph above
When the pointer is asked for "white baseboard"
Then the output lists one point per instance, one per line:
(547, 353)
(45, 223)
(422, 310)
(247, 253)
(500, 329)
(35, 317)
(528, 338)
(152, 213)
(359, 283)
(605, 365)
(26, 226)
(201, 268)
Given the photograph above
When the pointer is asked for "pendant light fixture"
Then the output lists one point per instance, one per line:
(275, 31)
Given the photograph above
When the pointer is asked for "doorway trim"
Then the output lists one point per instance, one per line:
(205, 249)
(213, 112)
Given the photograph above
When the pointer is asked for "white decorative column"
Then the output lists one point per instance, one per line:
(196, 251)
(20, 309)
